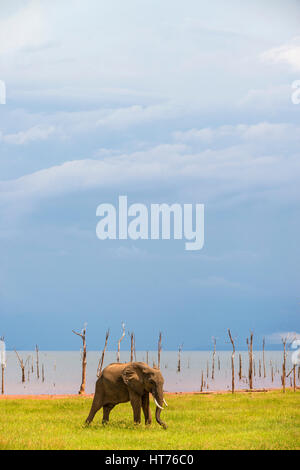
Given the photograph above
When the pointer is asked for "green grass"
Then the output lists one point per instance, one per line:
(243, 421)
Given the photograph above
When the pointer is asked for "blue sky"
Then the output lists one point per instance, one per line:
(165, 102)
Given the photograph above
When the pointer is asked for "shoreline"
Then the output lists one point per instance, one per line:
(90, 395)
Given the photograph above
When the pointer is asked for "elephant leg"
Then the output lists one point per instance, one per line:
(96, 405)
(106, 410)
(136, 403)
(146, 408)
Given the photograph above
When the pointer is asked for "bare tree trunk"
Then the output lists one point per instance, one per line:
(2, 381)
(134, 350)
(284, 341)
(232, 361)
(219, 364)
(250, 351)
(83, 377)
(147, 357)
(294, 375)
(119, 342)
(202, 382)
(179, 358)
(37, 362)
(264, 363)
(43, 373)
(240, 367)
(100, 365)
(131, 346)
(213, 360)
(22, 365)
(159, 350)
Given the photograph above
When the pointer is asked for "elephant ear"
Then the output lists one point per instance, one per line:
(132, 377)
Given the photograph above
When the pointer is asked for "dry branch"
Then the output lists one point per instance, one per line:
(232, 360)
(101, 361)
(83, 377)
(159, 350)
(119, 342)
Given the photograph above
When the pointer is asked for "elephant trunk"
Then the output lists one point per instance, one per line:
(159, 401)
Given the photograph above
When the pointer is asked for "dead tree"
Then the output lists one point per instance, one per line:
(202, 382)
(179, 358)
(22, 365)
(134, 349)
(100, 365)
(159, 350)
(3, 363)
(119, 342)
(264, 363)
(43, 373)
(284, 341)
(232, 360)
(250, 352)
(240, 367)
(131, 346)
(213, 360)
(37, 362)
(147, 357)
(84, 362)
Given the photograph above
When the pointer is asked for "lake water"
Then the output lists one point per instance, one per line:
(62, 370)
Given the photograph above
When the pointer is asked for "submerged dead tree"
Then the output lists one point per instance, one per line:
(284, 341)
(179, 358)
(264, 363)
(232, 361)
(159, 350)
(293, 381)
(82, 335)
(101, 361)
(213, 359)
(250, 352)
(37, 362)
(240, 367)
(22, 365)
(119, 342)
(132, 343)
(3, 362)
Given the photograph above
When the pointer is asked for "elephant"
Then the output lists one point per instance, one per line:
(132, 381)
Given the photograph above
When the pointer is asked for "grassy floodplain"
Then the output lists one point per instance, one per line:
(222, 421)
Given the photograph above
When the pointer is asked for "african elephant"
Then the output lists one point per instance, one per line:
(132, 381)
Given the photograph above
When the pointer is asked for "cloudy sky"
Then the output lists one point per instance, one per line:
(173, 101)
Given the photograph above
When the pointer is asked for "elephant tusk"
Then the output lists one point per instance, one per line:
(157, 404)
(165, 402)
